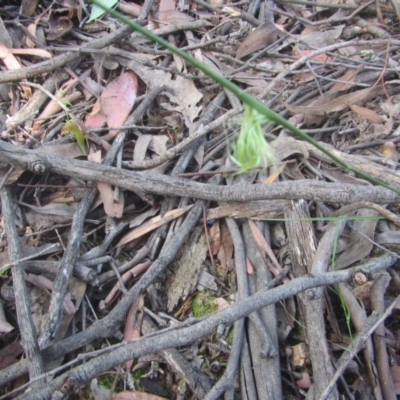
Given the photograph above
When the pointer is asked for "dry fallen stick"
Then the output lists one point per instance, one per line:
(169, 186)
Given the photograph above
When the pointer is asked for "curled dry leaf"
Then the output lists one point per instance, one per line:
(60, 23)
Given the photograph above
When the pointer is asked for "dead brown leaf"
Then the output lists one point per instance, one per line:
(215, 238)
(59, 24)
(111, 207)
(349, 76)
(338, 104)
(152, 224)
(172, 17)
(184, 92)
(366, 113)
(115, 103)
(261, 37)
(264, 247)
(133, 323)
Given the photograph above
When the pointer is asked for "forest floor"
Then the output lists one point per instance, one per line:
(141, 258)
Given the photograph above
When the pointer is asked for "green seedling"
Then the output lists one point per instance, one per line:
(71, 127)
(251, 149)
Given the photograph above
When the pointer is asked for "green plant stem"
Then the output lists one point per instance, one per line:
(243, 96)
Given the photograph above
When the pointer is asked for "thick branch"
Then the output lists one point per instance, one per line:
(170, 186)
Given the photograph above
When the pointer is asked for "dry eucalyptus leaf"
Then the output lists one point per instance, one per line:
(261, 37)
(115, 102)
(366, 113)
(133, 323)
(152, 224)
(111, 207)
(337, 104)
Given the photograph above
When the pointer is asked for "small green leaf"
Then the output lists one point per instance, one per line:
(98, 11)
(71, 127)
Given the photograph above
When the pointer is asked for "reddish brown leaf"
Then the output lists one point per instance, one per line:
(115, 103)
(133, 323)
(264, 247)
(8, 59)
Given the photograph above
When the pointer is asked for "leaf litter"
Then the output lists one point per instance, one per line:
(121, 259)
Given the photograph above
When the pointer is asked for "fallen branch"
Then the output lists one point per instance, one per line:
(170, 186)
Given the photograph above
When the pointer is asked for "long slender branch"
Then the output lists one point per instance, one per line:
(164, 185)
